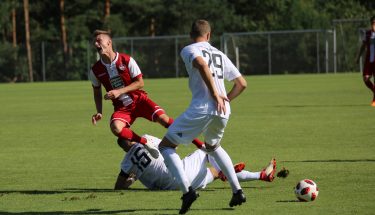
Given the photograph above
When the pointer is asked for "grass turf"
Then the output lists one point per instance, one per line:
(53, 161)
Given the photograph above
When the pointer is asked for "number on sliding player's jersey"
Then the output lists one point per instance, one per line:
(140, 158)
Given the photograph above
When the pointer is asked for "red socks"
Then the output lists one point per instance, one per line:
(170, 121)
(126, 133)
(198, 143)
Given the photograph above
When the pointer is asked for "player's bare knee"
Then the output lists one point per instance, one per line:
(211, 148)
(116, 128)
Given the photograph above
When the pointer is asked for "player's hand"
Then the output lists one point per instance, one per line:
(96, 117)
(220, 101)
(113, 94)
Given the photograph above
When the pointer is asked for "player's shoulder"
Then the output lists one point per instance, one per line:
(97, 67)
(124, 57)
(193, 49)
(188, 48)
(187, 52)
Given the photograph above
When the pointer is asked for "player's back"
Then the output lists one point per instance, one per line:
(221, 68)
(151, 172)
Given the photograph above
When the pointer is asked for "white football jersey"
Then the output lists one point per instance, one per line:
(150, 171)
(154, 174)
(221, 68)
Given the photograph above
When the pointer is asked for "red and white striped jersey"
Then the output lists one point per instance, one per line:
(121, 72)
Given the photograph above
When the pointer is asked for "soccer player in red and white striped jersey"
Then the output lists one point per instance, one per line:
(368, 43)
(123, 82)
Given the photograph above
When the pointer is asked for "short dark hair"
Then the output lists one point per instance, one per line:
(372, 19)
(98, 32)
(199, 28)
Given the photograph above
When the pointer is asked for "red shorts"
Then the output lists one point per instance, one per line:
(369, 69)
(142, 107)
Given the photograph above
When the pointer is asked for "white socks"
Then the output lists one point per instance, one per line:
(244, 175)
(225, 163)
(174, 164)
(248, 176)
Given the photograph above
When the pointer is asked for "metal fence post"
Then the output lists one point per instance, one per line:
(269, 55)
(360, 58)
(43, 63)
(225, 44)
(317, 53)
(334, 50)
(131, 47)
(88, 57)
(237, 57)
(326, 55)
(176, 55)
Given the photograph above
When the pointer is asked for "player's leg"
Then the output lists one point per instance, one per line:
(153, 112)
(368, 82)
(368, 72)
(213, 135)
(182, 131)
(372, 72)
(267, 174)
(120, 126)
(195, 166)
(121, 130)
(238, 167)
(174, 164)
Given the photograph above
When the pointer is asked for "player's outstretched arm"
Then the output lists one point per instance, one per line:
(239, 86)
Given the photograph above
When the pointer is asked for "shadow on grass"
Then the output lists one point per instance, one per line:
(90, 211)
(99, 211)
(288, 201)
(76, 190)
(321, 106)
(96, 190)
(332, 160)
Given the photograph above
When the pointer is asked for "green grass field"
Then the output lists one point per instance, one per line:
(322, 127)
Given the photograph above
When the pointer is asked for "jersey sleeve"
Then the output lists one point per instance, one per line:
(94, 81)
(134, 68)
(189, 53)
(231, 72)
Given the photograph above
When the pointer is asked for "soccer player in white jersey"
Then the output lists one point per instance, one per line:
(207, 114)
(154, 175)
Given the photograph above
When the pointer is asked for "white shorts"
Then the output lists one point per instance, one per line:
(190, 125)
(196, 169)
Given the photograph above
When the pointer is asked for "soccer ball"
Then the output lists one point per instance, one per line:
(306, 190)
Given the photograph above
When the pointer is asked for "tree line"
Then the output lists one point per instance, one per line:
(67, 25)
